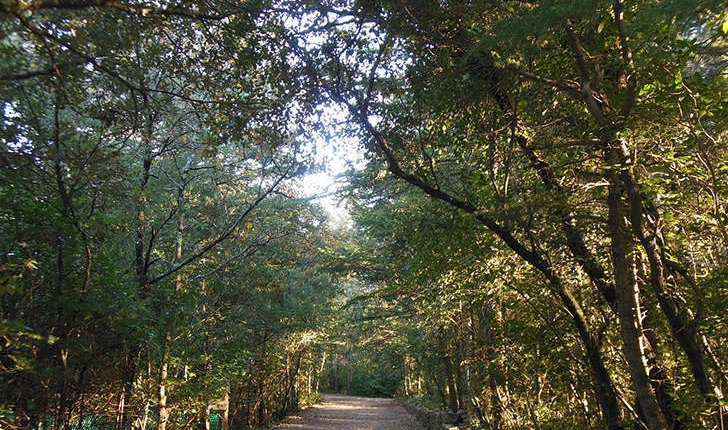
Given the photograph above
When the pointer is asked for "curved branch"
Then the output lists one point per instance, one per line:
(53, 70)
(228, 231)
(591, 102)
(533, 257)
(568, 87)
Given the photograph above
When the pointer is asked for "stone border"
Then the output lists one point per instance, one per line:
(436, 420)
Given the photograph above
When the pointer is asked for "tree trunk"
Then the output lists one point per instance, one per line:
(237, 413)
(628, 313)
(225, 418)
(290, 395)
(680, 318)
(121, 416)
(452, 394)
(163, 373)
(164, 364)
(603, 385)
(320, 371)
(597, 274)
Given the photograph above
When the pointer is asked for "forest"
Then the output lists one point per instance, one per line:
(535, 234)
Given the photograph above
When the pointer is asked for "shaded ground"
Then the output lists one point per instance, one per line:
(352, 413)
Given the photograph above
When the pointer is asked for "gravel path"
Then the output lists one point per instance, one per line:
(352, 413)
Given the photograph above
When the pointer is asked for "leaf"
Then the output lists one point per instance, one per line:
(647, 89)
(725, 27)
(601, 26)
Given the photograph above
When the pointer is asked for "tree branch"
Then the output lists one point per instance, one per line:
(247, 251)
(225, 234)
(594, 109)
(433, 191)
(31, 74)
(628, 77)
(569, 87)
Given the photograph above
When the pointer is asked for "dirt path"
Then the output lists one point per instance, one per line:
(352, 413)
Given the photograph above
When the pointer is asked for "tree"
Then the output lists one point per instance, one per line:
(140, 146)
(457, 102)
(157, 255)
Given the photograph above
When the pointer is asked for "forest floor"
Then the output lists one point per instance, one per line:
(352, 413)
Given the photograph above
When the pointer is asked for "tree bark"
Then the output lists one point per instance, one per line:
(452, 391)
(680, 318)
(163, 373)
(627, 306)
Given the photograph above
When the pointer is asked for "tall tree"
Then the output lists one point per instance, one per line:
(140, 143)
(492, 108)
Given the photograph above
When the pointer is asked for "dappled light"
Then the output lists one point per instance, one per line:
(352, 413)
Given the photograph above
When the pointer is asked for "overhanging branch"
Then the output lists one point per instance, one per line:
(227, 233)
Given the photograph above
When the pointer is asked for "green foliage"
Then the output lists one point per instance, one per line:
(371, 381)
(482, 107)
(153, 239)
(145, 156)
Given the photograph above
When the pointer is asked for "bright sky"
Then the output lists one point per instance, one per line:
(323, 186)
(337, 154)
